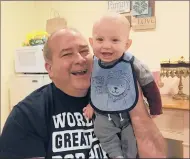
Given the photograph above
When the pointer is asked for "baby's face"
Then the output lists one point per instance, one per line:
(109, 40)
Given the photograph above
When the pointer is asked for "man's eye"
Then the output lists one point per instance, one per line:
(84, 52)
(67, 54)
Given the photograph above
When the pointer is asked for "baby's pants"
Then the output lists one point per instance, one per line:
(107, 128)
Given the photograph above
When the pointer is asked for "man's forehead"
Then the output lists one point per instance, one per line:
(66, 35)
(68, 39)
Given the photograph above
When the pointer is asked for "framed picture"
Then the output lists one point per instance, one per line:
(119, 6)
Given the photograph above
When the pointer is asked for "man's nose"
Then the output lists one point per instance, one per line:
(80, 59)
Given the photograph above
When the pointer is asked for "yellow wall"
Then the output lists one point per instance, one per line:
(17, 19)
(169, 40)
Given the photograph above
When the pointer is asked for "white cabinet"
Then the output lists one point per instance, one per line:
(46, 80)
(23, 85)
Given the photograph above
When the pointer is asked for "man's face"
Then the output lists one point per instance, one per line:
(109, 40)
(70, 67)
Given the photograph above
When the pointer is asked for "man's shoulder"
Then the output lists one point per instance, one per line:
(29, 120)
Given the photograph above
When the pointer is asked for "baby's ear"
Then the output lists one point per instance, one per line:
(128, 44)
(91, 41)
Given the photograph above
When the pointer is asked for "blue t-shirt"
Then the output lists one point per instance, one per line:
(49, 123)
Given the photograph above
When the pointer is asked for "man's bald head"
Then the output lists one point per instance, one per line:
(47, 50)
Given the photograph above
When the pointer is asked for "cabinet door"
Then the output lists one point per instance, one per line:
(22, 86)
(46, 79)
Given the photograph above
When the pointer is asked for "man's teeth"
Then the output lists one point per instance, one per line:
(82, 72)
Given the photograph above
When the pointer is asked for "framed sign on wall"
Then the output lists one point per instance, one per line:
(141, 14)
(119, 6)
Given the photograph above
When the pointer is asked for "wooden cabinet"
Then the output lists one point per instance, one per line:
(174, 122)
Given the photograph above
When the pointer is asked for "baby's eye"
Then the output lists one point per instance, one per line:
(115, 40)
(99, 39)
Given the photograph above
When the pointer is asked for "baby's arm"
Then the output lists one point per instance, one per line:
(149, 87)
(88, 111)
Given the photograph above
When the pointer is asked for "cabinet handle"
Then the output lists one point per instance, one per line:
(34, 81)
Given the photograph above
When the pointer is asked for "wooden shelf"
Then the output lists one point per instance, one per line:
(170, 103)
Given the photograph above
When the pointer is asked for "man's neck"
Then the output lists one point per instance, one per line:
(72, 92)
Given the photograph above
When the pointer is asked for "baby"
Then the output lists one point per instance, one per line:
(114, 90)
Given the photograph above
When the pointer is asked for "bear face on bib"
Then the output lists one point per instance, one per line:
(117, 85)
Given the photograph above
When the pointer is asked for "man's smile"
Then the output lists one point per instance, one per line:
(79, 72)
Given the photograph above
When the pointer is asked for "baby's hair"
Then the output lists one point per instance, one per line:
(112, 16)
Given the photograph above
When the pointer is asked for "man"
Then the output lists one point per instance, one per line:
(50, 122)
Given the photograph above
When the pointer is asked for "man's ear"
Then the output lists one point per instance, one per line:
(48, 67)
(128, 44)
(91, 41)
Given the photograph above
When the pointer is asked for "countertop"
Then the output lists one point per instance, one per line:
(170, 103)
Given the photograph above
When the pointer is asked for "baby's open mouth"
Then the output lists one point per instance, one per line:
(80, 72)
(106, 53)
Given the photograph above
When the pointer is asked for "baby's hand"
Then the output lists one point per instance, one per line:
(88, 111)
